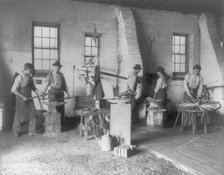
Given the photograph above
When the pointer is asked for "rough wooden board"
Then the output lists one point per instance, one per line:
(201, 154)
(120, 121)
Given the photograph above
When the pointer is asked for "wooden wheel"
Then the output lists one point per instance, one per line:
(199, 105)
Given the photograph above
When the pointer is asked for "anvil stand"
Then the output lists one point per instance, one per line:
(52, 119)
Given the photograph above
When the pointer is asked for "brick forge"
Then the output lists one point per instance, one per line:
(128, 46)
(212, 60)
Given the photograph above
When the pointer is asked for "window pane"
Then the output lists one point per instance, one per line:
(46, 64)
(179, 55)
(88, 51)
(54, 54)
(183, 40)
(183, 58)
(88, 41)
(174, 59)
(53, 43)
(177, 49)
(46, 43)
(37, 64)
(37, 42)
(37, 53)
(37, 31)
(46, 32)
(182, 49)
(177, 40)
(94, 41)
(53, 32)
(94, 51)
(177, 68)
(46, 53)
(177, 58)
(182, 67)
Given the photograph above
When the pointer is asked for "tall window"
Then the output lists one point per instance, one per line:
(180, 56)
(45, 45)
(91, 50)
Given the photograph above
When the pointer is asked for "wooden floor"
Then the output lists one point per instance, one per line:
(200, 154)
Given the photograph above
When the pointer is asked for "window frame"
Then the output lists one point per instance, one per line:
(41, 24)
(181, 75)
(98, 36)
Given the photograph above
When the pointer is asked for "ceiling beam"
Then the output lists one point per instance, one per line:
(184, 6)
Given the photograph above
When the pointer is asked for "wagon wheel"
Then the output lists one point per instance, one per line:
(199, 105)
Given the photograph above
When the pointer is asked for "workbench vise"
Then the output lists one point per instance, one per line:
(52, 119)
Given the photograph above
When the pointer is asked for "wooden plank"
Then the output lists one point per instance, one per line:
(201, 155)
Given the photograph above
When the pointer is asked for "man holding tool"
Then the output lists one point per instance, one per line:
(25, 110)
(56, 81)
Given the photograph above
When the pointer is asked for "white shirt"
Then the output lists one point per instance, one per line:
(160, 84)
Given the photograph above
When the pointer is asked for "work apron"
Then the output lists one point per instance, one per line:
(193, 92)
(25, 111)
(162, 95)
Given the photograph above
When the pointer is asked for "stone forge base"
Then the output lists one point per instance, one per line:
(156, 118)
(52, 123)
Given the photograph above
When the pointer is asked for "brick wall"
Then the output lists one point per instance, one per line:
(160, 26)
(128, 47)
(76, 18)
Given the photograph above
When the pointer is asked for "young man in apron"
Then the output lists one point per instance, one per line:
(193, 85)
(160, 91)
(25, 110)
(56, 81)
(132, 85)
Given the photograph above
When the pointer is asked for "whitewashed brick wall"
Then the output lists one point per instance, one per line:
(76, 18)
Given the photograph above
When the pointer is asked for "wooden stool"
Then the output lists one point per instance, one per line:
(86, 118)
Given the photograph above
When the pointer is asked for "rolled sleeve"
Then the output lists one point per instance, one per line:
(158, 85)
(17, 83)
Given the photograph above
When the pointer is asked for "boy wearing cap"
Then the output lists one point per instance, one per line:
(133, 78)
(132, 83)
(56, 81)
(160, 91)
